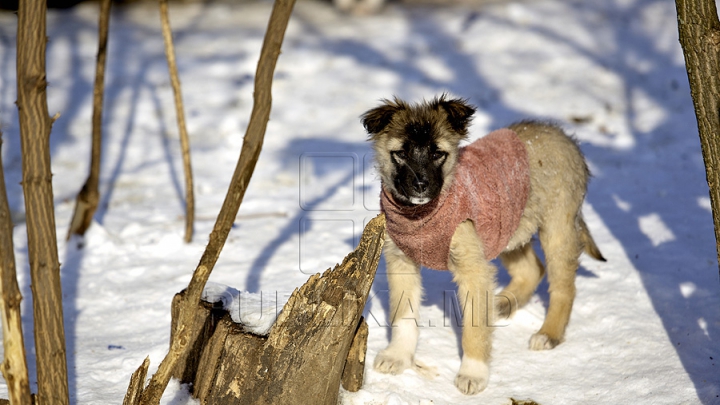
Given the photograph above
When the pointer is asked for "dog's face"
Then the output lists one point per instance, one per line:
(416, 145)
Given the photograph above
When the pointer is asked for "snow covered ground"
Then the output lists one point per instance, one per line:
(645, 326)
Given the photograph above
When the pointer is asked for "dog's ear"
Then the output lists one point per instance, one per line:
(378, 118)
(459, 113)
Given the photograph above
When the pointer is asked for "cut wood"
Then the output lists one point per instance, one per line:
(205, 321)
(318, 340)
(354, 371)
(137, 382)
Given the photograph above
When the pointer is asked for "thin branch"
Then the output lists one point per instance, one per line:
(252, 144)
(87, 199)
(14, 366)
(180, 113)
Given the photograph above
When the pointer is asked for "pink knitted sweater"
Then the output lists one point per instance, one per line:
(490, 187)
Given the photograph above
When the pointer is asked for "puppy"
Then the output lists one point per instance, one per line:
(458, 208)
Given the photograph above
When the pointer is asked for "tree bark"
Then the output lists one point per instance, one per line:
(699, 30)
(180, 114)
(35, 125)
(87, 199)
(14, 366)
(354, 371)
(205, 320)
(249, 154)
(137, 382)
(318, 341)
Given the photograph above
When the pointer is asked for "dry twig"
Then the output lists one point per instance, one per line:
(180, 113)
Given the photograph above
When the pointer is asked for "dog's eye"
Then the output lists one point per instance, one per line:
(439, 155)
(399, 154)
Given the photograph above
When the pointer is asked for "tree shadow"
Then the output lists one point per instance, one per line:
(650, 193)
(466, 82)
(69, 275)
(656, 178)
(67, 32)
(678, 274)
(299, 224)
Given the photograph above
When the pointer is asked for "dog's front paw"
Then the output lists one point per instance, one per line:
(541, 341)
(470, 385)
(472, 377)
(391, 361)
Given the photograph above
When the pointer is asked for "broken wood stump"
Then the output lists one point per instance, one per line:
(318, 340)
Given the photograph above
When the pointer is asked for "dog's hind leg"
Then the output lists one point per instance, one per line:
(562, 246)
(475, 278)
(405, 294)
(526, 270)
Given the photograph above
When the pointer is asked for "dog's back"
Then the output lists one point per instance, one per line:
(560, 175)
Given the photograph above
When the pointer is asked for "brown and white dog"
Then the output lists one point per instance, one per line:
(458, 208)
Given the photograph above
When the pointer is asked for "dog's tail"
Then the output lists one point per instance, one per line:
(588, 243)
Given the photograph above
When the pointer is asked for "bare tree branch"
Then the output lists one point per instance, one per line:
(87, 199)
(180, 113)
(14, 366)
(35, 126)
(249, 155)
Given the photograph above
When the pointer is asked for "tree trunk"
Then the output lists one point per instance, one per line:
(180, 114)
(14, 366)
(249, 154)
(700, 39)
(318, 341)
(35, 125)
(87, 199)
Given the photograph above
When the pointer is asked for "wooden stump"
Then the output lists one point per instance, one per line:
(318, 340)
(205, 321)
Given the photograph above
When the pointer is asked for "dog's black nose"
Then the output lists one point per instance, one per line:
(420, 185)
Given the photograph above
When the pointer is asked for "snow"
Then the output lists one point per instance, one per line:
(255, 312)
(645, 325)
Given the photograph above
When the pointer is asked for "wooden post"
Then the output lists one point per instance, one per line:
(699, 30)
(87, 199)
(35, 125)
(14, 366)
(180, 114)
